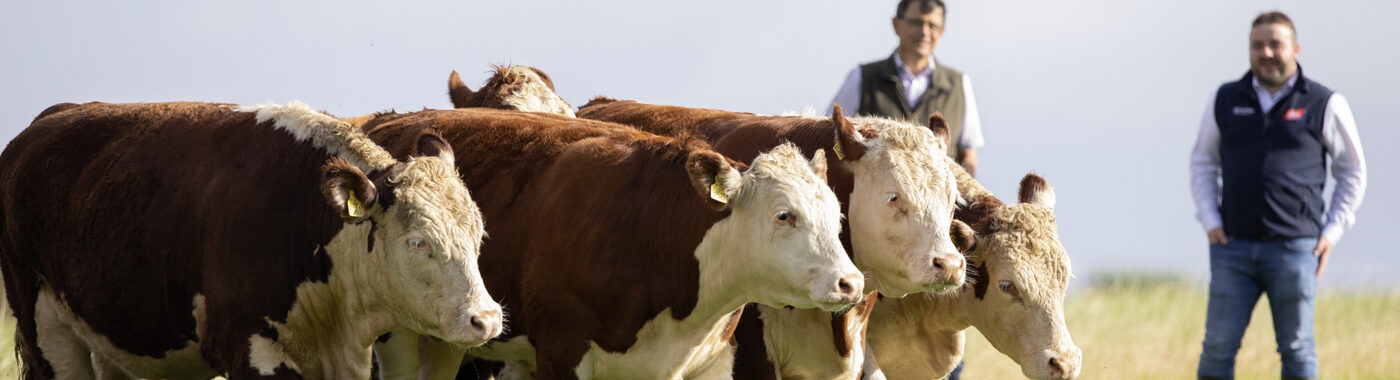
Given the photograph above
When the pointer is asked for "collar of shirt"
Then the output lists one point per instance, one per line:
(914, 83)
(1267, 100)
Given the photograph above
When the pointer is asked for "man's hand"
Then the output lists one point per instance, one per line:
(1217, 236)
(1324, 249)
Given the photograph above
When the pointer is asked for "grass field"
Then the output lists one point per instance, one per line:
(1152, 329)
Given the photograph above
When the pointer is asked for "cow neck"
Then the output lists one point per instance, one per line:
(719, 295)
(345, 302)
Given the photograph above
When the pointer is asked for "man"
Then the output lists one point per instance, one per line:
(911, 85)
(1268, 138)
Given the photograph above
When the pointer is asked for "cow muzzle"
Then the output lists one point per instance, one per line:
(1054, 364)
(836, 292)
(946, 272)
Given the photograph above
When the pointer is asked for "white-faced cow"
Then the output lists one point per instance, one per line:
(1015, 297)
(520, 88)
(900, 196)
(626, 255)
(188, 240)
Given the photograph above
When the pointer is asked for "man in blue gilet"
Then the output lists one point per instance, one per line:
(1268, 139)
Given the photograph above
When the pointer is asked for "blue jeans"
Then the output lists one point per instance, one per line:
(1239, 272)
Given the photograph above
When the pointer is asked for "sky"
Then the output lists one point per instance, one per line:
(1101, 97)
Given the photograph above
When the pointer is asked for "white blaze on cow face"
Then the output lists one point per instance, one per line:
(535, 95)
(901, 209)
(429, 241)
(784, 234)
(1027, 272)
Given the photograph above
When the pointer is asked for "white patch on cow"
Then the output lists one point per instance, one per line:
(266, 356)
(70, 345)
(801, 344)
(535, 96)
(666, 348)
(335, 136)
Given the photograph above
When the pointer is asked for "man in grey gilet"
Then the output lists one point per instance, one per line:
(911, 85)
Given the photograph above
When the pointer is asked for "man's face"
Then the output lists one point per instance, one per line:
(1273, 53)
(918, 31)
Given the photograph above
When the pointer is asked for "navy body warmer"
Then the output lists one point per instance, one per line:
(1273, 164)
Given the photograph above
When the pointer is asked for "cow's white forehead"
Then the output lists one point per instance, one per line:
(432, 199)
(914, 157)
(1025, 238)
(535, 96)
(786, 167)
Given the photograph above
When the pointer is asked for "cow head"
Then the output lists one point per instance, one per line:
(780, 244)
(520, 88)
(901, 205)
(424, 232)
(1020, 272)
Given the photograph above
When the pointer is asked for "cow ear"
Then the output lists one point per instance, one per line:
(714, 179)
(849, 145)
(939, 126)
(458, 91)
(963, 236)
(818, 163)
(347, 189)
(431, 143)
(1036, 190)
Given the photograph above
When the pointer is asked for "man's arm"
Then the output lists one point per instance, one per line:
(849, 94)
(971, 137)
(1205, 174)
(1343, 145)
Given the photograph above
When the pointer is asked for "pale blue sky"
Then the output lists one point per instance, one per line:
(1101, 97)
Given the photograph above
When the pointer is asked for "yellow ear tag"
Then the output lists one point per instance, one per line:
(717, 192)
(353, 208)
(837, 148)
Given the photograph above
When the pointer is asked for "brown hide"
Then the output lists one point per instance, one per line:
(129, 210)
(743, 136)
(592, 226)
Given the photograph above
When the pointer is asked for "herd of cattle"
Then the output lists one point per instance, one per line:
(629, 241)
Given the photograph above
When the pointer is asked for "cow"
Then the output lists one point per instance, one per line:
(900, 195)
(1018, 256)
(623, 254)
(520, 88)
(189, 240)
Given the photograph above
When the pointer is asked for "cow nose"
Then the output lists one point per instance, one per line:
(849, 287)
(948, 269)
(486, 324)
(1065, 366)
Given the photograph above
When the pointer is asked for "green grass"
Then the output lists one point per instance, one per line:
(1151, 328)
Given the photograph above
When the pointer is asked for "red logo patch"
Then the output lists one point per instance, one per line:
(1294, 114)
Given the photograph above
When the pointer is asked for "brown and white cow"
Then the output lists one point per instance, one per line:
(1019, 258)
(520, 88)
(623, 254)
(188, 240)
(900, 196)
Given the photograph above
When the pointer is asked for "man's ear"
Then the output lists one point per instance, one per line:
(347, 190)
(714, 179)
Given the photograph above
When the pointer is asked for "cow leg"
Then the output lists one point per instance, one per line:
(398, 355)
(107, 370)
(721, 366)
(438, 360)
(61, 346)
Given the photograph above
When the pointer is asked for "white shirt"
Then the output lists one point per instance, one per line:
(914, 86)
(1339, 138)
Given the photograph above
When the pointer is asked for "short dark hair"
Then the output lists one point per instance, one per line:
(1275, 17)
(925, 6)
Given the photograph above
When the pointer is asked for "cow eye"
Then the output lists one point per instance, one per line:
(418, 244)
(784, 217)
(893, 198)
(1009, 288)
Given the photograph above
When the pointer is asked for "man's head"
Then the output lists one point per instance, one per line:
(1273, 49)
(919, 24)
